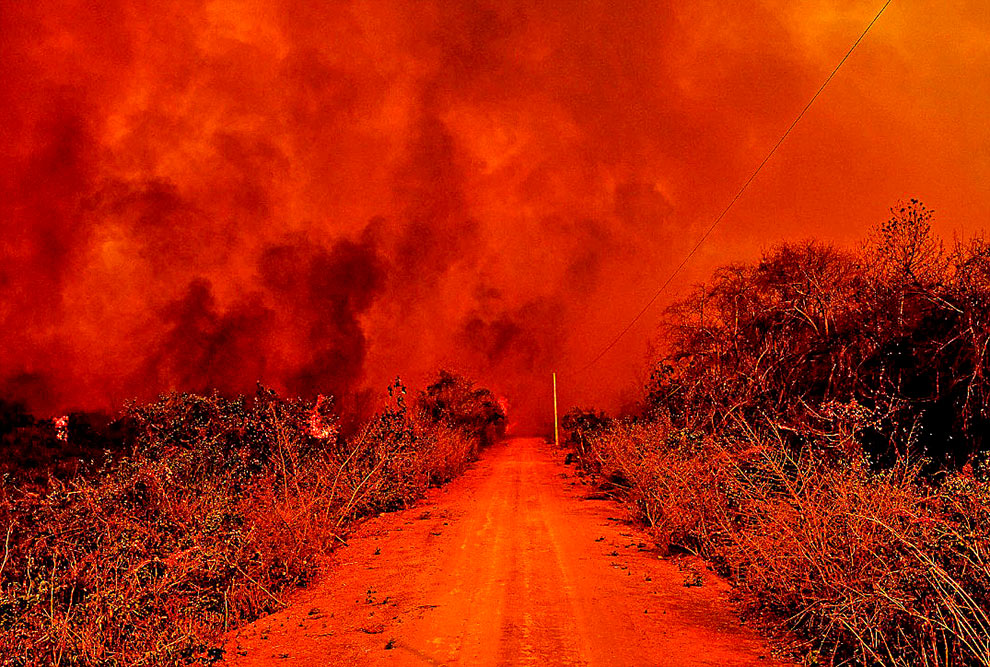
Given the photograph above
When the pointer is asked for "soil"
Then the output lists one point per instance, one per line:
(517, 562)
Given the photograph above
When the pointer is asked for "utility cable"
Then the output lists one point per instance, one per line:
(739, 194)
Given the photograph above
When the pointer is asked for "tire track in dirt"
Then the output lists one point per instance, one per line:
(514, 563)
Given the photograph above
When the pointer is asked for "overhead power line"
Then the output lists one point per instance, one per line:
(739, 194)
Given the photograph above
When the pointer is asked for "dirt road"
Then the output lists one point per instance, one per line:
(516, 562)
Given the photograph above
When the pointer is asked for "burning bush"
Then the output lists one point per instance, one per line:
(217, 509)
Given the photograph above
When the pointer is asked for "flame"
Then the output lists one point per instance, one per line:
(61, 428)
(318, 428)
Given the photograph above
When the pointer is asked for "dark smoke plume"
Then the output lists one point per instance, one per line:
(322, 196)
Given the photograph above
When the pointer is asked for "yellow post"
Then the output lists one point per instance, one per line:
(556, 436)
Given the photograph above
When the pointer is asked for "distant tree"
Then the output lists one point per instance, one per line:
(454, 401)
(904, 250)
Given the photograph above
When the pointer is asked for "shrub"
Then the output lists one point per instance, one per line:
(216, 510)
(810, 334)
(817, 429)
(872, 567)
(453, 401)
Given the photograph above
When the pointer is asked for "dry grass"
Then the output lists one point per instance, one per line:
(221, 509)
(870, 567)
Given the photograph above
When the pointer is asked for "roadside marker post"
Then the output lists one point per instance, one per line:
(556, 437)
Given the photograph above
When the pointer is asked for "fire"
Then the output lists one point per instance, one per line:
(318, 426)
(61, 428)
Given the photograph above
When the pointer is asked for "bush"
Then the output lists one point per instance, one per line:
(218, 508)
(870, 567)
(32, 453)
(817, 429)
(891, 342)
(453, 401)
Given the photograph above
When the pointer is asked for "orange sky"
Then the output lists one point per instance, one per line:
(326, 195)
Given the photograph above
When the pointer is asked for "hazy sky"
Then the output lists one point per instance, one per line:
(326, 195)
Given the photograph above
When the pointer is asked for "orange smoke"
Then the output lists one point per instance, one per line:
(324, 195)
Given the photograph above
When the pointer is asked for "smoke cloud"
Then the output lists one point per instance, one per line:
(322, 196)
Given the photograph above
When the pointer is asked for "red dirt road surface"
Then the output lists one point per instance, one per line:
(515, 563)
